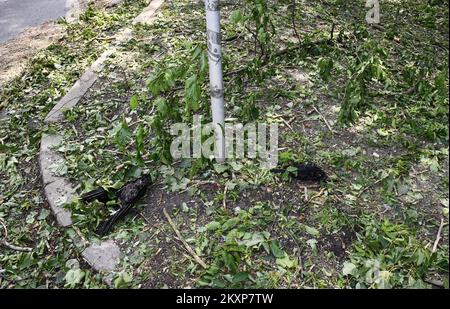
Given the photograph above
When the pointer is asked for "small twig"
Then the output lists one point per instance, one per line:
(77, 230)
(319, 194)
(333, 26)
(11, 246)
(299, 270)
(16, 248)
(324, 120)
(370, 186)
(438, 236)
(287, 124)
(185, 244)
(305, 194)
(225, 197)
(294, 25)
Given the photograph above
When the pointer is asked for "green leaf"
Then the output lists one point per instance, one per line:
(134, 102)
(230, 223)
(275, 249)
(123, 134)
(256, 239)
(161, 106)
(312, 231)
(348, 269)
(286, 262)
(123, 280)
(74, 277)
(229, 261)
(26, 261)
(236, 17)
(192, 93)
(212, 226)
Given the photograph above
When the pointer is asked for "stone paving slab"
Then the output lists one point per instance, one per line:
(103, 257)
(148, 15)
(49, 157)
(59, 193)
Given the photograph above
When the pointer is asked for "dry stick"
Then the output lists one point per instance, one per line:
(319, 194)
(185, 244)
(324, 119)
(225, 197)
(294, 25)
(300, 260)
(287, 124)
(370, 186)
(11, 246)
(438, 237)
(83, 239)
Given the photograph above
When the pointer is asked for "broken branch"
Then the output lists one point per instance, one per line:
(185, 244)
(438, 236)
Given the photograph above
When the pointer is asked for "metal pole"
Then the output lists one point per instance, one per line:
(215, 75)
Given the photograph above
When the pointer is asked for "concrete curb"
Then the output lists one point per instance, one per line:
(103, 257)
(76, 7)
(148, 14)
(90, 76)
(57, 189)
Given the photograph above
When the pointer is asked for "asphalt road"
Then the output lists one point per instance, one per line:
(16, 15)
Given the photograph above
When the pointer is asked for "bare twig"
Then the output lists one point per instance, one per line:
(319, 194)
(185, 244)
(438, 236)
(225, 197)
(83, 239)
(11, 246)
(15, 248)
(324, 120)
(287, 124)
(294, 25)
(370, 186)
(299, 270)
(333, 26)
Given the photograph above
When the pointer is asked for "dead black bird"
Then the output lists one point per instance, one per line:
(126, 196)
(303, 172)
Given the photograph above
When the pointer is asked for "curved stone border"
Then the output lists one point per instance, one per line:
(105, 256)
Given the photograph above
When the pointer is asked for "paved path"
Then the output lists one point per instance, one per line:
(16, 15)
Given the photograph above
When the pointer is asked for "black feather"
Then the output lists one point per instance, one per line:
(127, 196)
(304, 172)
(99, 194)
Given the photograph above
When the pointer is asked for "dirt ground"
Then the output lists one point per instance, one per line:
(15, 53)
